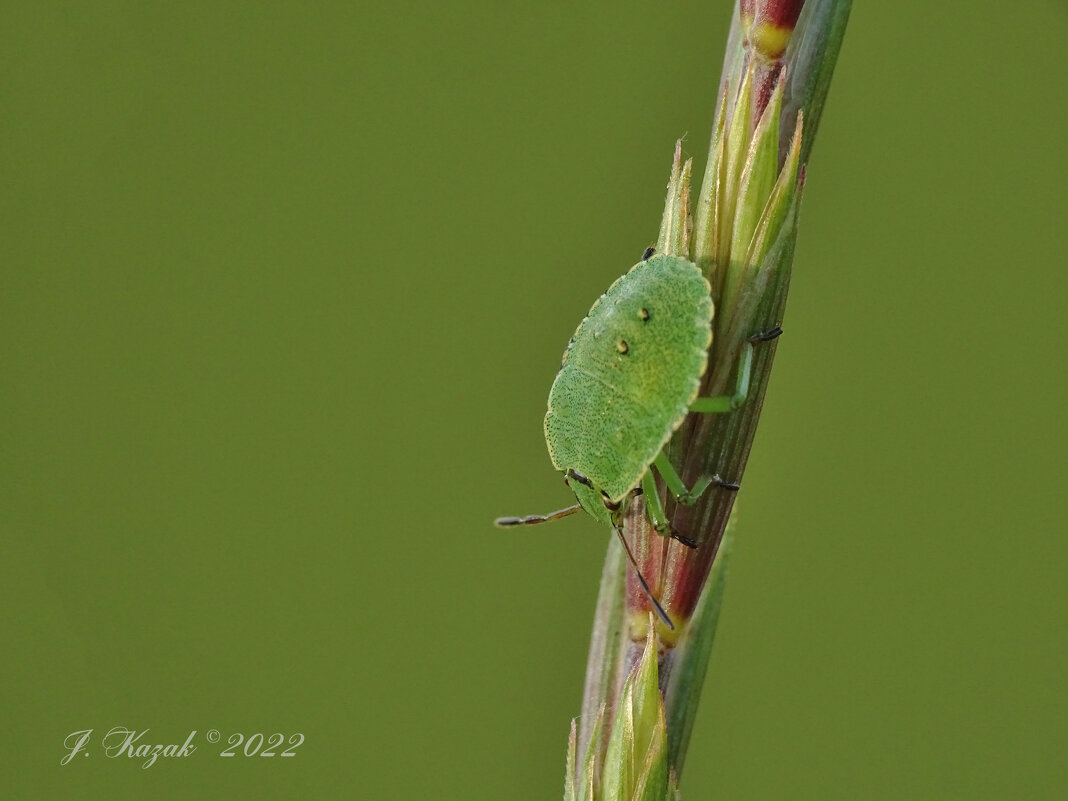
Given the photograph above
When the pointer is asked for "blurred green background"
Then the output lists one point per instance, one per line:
(284, 287)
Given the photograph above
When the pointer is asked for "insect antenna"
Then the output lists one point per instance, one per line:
(508, 522)
(641, 580)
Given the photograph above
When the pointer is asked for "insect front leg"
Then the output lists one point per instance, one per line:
(656, 513)
(675, 485)
(653, 507)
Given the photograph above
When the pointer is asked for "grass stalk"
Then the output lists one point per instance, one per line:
(777, 70)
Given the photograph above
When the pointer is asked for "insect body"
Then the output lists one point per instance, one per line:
(629, 376)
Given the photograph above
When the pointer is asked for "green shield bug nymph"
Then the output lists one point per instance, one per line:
(629, 376)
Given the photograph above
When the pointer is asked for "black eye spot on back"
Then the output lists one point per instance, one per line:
(643, 314)
(648, 254)
(622, 347)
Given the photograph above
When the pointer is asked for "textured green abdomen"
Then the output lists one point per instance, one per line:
(630, 374)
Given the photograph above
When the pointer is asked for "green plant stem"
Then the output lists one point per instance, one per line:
(709, 444)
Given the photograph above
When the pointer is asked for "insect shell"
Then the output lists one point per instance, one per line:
(627, 379)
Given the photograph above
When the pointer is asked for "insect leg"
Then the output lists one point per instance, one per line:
(655, 509)
(674, 482)
(653, 506)
(508, 522)
(766, 336)
(728, 403)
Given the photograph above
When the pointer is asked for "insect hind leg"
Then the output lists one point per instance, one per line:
(725, 404)
(766, 336)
